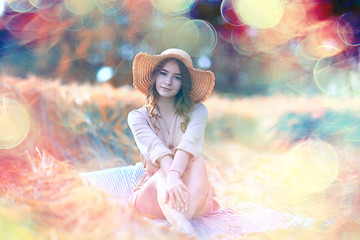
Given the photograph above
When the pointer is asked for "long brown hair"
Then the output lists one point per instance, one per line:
(183, 101)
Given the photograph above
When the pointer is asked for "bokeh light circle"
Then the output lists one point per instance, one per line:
(14, 123)
(260, 13)
(21, 6)
(197, 37)
(312, 166)
(277, 42)
(180, 32)
(313, 48)
(228, 13)
(76, 26)
(42, 4)
(2, 7)
(295, 17)
(104, 74)
(207, 38)
(111, 7)
(242, 42)
(187, 36)
(204, 62)
(141, 17)
(337, 76)
(151, 44)
(299, 83)
(52, 14)
(348, 28)
(93, 20)
(305, 174)
(77, 7)
(174, 7)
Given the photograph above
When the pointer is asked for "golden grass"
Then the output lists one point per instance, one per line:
(42, 196)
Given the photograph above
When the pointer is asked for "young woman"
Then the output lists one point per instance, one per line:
(169, 133)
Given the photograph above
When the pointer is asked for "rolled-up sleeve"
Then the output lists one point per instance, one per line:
(193, 139)
(149, 144)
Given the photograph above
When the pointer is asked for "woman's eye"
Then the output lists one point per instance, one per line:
(178, 77)
(163, 73)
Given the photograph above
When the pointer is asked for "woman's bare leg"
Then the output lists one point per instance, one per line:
(196, 179)
(150, 201)
(178, 220)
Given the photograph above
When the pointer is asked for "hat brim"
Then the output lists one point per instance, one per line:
(202, 81)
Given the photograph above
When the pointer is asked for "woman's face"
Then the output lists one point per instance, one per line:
(168, 81)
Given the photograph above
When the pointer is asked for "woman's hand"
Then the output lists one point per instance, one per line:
(177, 194)
(149, 167)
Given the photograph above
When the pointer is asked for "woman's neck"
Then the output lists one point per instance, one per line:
(166, 106)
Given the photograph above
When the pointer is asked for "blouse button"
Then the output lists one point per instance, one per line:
(171, 147)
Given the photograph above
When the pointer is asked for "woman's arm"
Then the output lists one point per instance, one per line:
(149, 144)
(177, 192)
(190, 147)
(180, 161)
(165, 164)
(193, 138)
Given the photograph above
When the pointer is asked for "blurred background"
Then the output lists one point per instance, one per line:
(283, 128)
(253, 47)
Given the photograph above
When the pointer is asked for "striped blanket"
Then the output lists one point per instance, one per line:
(227, 223)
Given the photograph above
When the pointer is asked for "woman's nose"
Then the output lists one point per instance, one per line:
(168, 80)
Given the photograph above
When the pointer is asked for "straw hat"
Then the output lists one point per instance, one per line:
(202, 81)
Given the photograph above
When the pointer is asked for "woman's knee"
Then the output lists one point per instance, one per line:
(160, 185)
(196, 174)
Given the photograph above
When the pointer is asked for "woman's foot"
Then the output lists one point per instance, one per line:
(185, 228)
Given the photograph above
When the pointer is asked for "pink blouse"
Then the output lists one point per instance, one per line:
(154, 143)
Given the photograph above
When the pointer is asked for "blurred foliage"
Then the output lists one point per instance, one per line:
(232, 127)
(72, 126)
(60, 39)
(82, 127)
(105, 137)
(333, 126)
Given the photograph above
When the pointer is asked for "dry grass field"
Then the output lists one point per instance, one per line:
(283, 152)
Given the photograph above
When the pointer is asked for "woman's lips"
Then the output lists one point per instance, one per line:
(166, 89)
